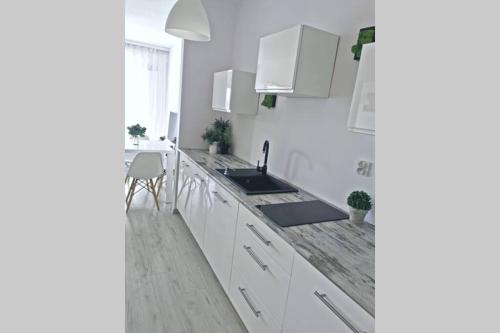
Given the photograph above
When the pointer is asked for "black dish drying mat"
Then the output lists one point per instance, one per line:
(305, 212)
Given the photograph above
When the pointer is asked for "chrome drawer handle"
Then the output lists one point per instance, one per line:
(254, 257)
(218, 196)
(249, 302)
(258, 234)
(324, 299)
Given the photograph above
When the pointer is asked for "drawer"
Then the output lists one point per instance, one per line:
(252, 312)
(269, 280)
(273, 244)
(317, 305)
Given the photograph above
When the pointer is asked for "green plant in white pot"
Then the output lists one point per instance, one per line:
(211, 137)
(359, 204)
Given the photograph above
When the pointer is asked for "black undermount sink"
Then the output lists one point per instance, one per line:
(254, 182)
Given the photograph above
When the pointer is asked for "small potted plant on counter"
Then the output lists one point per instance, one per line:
(210, 136)
(359, 204)
(218, 136)
(223, 129)
(135, 132)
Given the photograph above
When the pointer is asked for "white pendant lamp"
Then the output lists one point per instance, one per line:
(188, 19)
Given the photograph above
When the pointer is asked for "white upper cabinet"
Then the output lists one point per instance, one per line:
(362, 114)
(233, 92)
(297, 62)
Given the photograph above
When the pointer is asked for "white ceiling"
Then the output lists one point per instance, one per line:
(145, 22)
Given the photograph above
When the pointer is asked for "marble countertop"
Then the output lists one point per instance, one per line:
(343, 252)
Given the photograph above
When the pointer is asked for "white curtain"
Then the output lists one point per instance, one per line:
(146, 90)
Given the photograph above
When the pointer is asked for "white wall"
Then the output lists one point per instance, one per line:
(201, 60)
(309, 142)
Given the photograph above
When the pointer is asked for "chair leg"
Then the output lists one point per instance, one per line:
(131, 193)
(154, 193)
(126, 179)
(159, 180)
(128, 193)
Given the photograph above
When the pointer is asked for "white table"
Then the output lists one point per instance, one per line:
(167, 149)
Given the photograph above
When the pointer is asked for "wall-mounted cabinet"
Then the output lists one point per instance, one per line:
(233, 91)
(362, 114)
(297, 62)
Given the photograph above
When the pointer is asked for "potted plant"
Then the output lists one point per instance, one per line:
(218, 136)
(136, 131)
(223, 129)
(359, 204)
(210, 137)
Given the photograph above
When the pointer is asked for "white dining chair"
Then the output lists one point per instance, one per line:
(145, 167)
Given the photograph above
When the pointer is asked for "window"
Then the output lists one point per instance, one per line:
(146, 89)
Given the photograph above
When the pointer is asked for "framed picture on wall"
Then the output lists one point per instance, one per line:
(362, 113)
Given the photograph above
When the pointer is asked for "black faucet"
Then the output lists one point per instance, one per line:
(265, 149)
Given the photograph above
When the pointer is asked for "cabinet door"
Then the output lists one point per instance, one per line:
(184, 188)
(221, 94)
(362, 114)
(220, 231)
(277, 60)
(199, 203)
(315, 304)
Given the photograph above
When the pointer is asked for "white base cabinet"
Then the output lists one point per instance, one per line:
(220, 231)
(316, 305)
(273, 288)
(199, 202)
(183, 202)
(260, 267)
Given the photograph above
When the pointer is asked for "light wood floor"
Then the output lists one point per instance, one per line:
(170, 287)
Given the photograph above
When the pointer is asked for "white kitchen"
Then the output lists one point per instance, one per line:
(265, 221)
(217, 166)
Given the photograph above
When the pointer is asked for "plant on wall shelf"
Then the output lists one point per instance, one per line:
(136, 131)
(359, 204)
(269, 101)
(366, 35)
